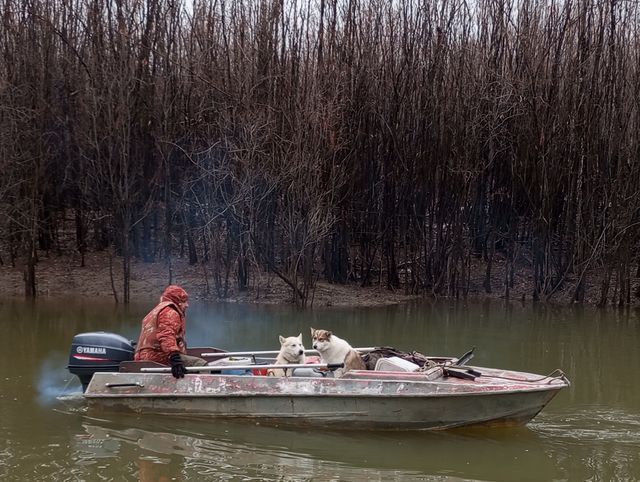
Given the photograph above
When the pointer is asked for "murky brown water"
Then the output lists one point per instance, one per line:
(590, 431)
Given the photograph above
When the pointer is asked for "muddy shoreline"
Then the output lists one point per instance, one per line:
(61, 276)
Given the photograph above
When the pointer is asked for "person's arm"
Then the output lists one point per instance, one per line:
(169, 325)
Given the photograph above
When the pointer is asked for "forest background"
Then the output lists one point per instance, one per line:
(440, 148)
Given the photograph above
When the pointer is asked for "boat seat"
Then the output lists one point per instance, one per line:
(198, 351)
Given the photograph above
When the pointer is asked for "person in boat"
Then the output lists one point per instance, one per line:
(162, 336)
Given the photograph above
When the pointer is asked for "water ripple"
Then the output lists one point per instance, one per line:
(590, 424)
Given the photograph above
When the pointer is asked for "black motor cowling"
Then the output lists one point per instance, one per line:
(97, 351)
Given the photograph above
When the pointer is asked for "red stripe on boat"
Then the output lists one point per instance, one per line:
(90, 358)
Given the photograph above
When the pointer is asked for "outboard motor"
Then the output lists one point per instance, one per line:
(97, 351)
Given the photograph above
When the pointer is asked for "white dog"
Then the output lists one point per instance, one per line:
(336, 350)
(291, 351)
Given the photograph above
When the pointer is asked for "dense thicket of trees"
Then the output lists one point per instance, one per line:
(376, 141)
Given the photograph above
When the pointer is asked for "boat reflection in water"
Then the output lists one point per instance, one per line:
(191, 450)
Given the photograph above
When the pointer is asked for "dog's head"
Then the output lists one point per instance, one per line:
(292, 346)
(321, 339)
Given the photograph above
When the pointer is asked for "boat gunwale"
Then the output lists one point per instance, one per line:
(530, 387)
(313, 395)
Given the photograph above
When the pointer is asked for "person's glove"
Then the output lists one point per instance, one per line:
(177, 366)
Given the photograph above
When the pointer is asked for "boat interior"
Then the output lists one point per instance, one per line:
(220, 363)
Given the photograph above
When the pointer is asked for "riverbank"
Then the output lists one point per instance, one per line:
(62, 276)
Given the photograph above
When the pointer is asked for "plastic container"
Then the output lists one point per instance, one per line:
(228, 364)
(311, 372)
(236, 372)
(395, 364)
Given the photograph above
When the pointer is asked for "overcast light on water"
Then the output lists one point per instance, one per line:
(589, 431)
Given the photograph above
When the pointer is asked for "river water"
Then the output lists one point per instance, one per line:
(590, 431)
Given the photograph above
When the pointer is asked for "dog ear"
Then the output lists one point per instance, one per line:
(300, 337)
(282, 339)
(313, 331)
(329, 334)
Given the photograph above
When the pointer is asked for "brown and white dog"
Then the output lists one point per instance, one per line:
(291, 351)
(336, 350)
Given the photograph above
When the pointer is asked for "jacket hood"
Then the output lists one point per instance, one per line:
(174, 293)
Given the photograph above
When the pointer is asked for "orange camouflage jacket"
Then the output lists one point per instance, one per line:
(162, 333)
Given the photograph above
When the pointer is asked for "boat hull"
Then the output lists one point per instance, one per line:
(351, 404)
